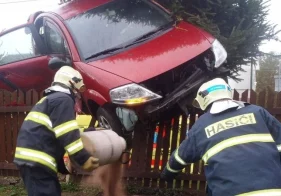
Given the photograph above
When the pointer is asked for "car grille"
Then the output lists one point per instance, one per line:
(165, 83)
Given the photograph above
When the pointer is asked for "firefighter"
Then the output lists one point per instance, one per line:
(48, 131)
(240, 144)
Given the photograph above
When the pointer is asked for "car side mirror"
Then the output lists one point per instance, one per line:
(56, 63)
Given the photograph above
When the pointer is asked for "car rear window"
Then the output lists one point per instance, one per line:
(114, 24)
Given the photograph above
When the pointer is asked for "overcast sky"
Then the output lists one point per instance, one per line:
(14, 12)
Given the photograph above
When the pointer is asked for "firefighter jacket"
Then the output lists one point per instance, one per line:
(48, 131)
(240, 149)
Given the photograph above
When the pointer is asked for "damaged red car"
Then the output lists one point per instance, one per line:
(139, 62)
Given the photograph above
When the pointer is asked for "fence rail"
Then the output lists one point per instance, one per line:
(150, 148)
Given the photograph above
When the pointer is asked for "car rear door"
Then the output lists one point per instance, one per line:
(24, 60)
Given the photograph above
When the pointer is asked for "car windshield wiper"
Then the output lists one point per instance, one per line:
(163, 27)
(135, 41)
(104, 52)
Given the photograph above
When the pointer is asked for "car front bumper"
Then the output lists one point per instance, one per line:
(184, 94)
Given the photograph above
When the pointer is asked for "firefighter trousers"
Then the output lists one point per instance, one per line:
(39, 182)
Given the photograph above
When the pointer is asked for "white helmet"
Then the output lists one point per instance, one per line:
(70, 77)
(209, 92)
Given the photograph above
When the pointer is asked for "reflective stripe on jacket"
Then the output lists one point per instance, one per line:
(48, 131)
(240, 149)
(36, 156)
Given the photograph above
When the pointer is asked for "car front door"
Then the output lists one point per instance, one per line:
(23, 60)
(55, 41)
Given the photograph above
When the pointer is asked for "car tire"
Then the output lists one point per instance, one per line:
(108, 119)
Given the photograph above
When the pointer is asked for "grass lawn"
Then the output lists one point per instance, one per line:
(75, 190)
(68, 190)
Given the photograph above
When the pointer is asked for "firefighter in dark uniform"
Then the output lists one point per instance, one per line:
(239, 143)
(48, 131)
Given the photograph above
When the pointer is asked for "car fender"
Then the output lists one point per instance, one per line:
(95, 96)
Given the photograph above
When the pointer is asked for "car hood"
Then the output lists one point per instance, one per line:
(158, 55)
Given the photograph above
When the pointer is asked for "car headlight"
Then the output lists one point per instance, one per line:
(219, 52)
(132, 94)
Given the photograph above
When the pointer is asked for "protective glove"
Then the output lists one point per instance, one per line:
(91, 164)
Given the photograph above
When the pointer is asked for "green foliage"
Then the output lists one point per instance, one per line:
(70, 187)
(67, 189)
(16, 190)
(268, 69)
(240, 25)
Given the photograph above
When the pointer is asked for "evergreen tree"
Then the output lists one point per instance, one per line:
(240, 25)
(269, 67)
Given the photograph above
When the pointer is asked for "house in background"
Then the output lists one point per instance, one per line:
(277, 80)
(246, 83)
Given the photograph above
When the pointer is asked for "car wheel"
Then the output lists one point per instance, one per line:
(108, 119)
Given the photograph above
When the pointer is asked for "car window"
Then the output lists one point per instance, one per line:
(17, 45)
(56, 43)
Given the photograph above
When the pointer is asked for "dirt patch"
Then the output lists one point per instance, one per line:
(9, 180)
(109, 178)
(106, 179)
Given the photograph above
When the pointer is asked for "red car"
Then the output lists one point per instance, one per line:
(138, 61)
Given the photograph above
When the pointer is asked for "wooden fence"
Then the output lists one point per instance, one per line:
(148, 155)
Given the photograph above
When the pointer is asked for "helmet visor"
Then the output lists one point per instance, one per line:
(82, 89)
(79, 87)
(196, 104)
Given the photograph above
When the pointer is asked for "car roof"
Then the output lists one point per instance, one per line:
(68, 10)
(76, 7)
